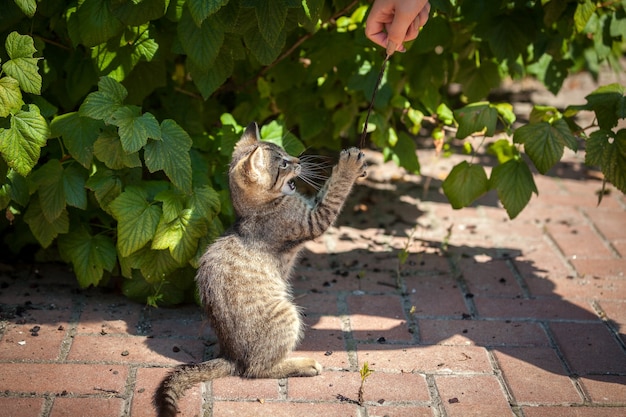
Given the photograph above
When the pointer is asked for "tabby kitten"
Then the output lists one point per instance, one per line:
(243, 279)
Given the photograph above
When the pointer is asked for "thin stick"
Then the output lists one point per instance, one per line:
(369, 110)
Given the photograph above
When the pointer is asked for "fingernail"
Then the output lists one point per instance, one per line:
(391, 47)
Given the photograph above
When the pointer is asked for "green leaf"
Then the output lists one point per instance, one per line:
(22, 66)
(135, 128)
(96, 22)
(171, 154)
(180, 235)
(503, 150)
(271, 16)
(263, 51)
(21, 143)
(16, 188)
(276, 132)
(608, 151)
(478, 81)
(515, 184)
(137, 220)
(136, 13)
(209, 81)
(476, 117)
(544, 142)
(108, 149)
(609, 104)
(584, 11)
(28, 7)
(201, 9)
(103, 103)
(465, 183)
(155, 265)
(49, 181)
(107, 185)
(505, 110)
(45, 231)
(90, 255)
(404, 153)
(79, 134)
(10, 96)
(201, 44)
(74, 180)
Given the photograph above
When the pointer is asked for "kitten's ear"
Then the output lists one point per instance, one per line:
(250, 137)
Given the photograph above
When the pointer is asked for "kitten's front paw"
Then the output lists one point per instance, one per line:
(353, 160)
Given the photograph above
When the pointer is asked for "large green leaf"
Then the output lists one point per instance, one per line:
(404, 153)
(209, 81)
(137, 220)
(478, 81)
(171, 154)
(263, 51)
(271, 17)
(96, 22)
(22, 66)
(106, 184)
(609, 104)
(10, 96)
(103, 103)
(45, 231)
(479, 117)
(201, 44)
(135, 128)
(276, 132)
(607, 150)
(90, 255)
(136, 13)
(79, 134)
(180, 235)
(201, 9)
(544, 142)
(49, 181)
(584, 11)
(21, 143)
(155, 265)
(515, 185)
(28, 7)
(464, 184)
(108, 149)
(74, 180)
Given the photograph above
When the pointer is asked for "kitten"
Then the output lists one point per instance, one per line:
(243, 278)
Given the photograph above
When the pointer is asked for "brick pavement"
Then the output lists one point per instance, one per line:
(486, 317)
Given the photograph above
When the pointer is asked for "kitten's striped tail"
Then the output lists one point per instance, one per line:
(184, 377)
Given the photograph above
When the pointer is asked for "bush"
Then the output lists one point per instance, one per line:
(118, 117)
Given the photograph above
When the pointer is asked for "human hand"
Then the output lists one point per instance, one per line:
(392, 22)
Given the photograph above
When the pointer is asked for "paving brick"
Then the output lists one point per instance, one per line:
(135, 349)
(21, 407)
(426, 359)
(541, 308)
(146, 383)
(267, 409)
(605, 389)
(393, 387)
(86, 407)
(328, 386)
(60, 378)
(477, 395)
(22, 342)
(582, 287)
(606, 267)
(435, 296)
(108, 315)
(324, 342)
(185, 321)
(536, 375)
(399, 411)
(578, 241)
(541, 261)
(616, 313)
(481, 333)
(235, 388)
(373, 317)
(574, 411)
(489, 277)
(318, 304)
(611, 223)
(589, 348)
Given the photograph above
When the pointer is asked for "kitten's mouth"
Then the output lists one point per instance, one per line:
(289, 187)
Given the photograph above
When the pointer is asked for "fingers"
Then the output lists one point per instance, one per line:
(392, 22)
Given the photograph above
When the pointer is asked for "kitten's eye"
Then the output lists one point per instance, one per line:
(284, 163)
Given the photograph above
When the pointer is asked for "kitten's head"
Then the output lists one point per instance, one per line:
(260, 171)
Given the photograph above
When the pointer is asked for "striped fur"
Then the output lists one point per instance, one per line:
(243, 279)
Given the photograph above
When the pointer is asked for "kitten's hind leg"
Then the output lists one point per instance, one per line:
(293, 367)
